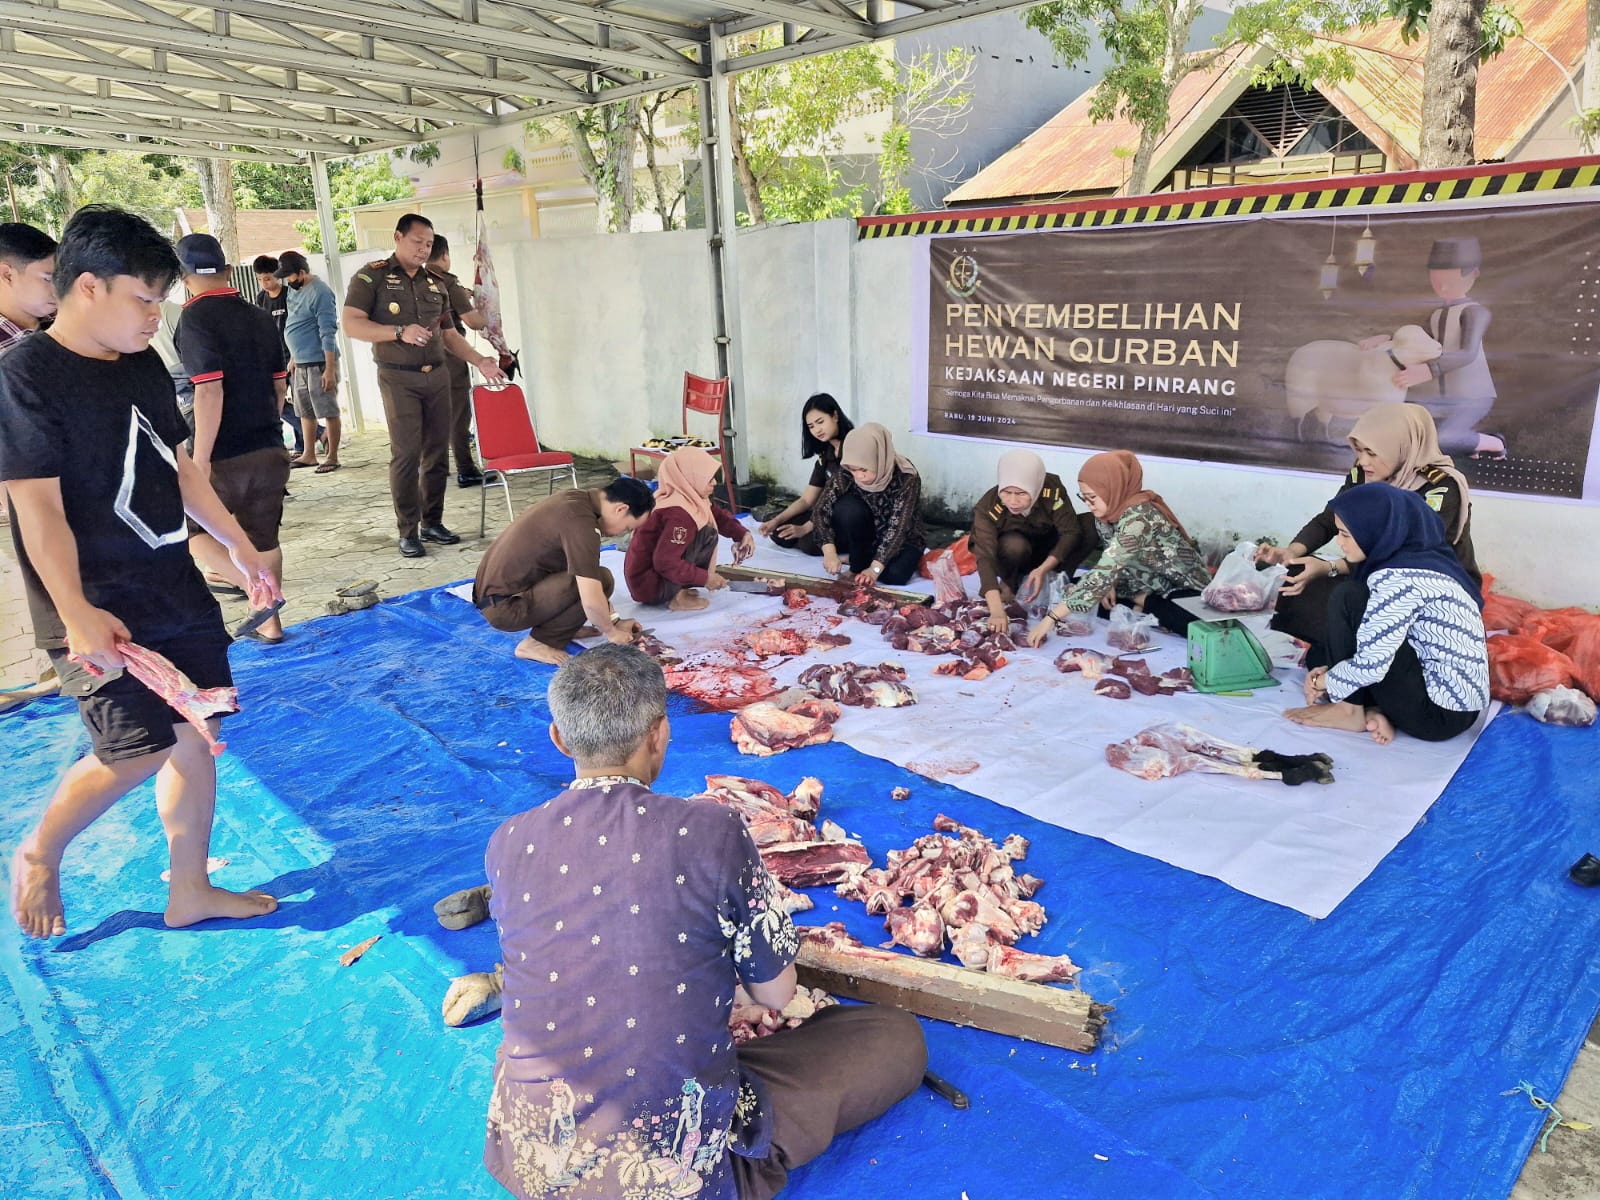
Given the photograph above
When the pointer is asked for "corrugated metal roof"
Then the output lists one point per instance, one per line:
(1071, 155)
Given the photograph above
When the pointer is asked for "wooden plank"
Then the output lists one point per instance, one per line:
(819, 585)
(1055, 1016)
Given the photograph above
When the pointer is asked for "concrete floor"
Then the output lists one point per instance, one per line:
(339, 528)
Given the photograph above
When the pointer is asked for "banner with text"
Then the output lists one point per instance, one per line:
(1261, 341)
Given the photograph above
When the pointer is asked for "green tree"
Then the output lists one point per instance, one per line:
(1147, 41)
(1462, 35)
(788, 127)
(272, 185)
(366, 179)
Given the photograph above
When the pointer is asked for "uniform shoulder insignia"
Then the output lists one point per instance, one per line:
(1435, 474)
(377, 263)
(1435, 498)
(364, 277)
(996, 511)
(1355, 474)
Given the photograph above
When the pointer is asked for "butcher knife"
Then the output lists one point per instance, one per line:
(759, 587)
(957, 1098)
(257, 619)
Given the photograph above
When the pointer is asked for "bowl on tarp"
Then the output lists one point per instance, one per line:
(1224, 656)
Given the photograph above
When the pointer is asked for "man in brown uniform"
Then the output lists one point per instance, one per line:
(402, 308)
(463, 316)
(543, 574)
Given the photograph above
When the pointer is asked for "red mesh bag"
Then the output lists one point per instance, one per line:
(1576, 634)
(1504, 612)
(1520, 666)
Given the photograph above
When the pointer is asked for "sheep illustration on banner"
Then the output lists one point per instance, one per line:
(486, 296)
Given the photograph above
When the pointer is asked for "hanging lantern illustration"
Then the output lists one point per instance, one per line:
(1328, 278)
(1366, 252)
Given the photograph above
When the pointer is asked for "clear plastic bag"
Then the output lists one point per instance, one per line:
(1562, 706)
(948, 587)
(1241, 586)
(1130, 631)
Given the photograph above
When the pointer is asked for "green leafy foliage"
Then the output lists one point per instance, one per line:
(1499, 25)
(366, 179)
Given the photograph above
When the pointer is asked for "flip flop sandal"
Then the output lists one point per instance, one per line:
(324, 468)
(361, 587)
(295, 464)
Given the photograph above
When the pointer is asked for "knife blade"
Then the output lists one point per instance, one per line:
(754, 586)
(257, 619)
(957, 1098)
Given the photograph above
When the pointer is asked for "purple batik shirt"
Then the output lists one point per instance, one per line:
(625, 919)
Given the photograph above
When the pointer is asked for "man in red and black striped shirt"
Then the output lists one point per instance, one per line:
(235, 359)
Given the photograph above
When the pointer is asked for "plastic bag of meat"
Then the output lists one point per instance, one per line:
(1520, 667)
(1240, 586)
(1131, 630)
(946, 576)
(1562, 706)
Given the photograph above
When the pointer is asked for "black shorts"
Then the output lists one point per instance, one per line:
(250, 487)
(127, 720)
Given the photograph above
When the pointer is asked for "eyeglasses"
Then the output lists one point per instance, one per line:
(1088, 497)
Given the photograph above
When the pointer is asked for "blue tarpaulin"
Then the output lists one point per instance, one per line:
(1252, 1052)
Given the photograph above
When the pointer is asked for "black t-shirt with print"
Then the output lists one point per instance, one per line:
(276, 307)
(108, 431)
(222, 336)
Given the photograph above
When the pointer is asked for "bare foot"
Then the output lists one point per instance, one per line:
(533, 650)
(1380, 727)
(203, 904)
(588, 631)
(305, 462)
(688, 600)
(1338, 715)
(36, 895)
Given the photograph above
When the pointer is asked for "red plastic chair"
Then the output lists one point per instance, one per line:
(507, 445)
(704, 396)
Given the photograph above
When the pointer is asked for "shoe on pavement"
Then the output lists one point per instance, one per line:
(468, 479)
(410, 547)
(439, 535)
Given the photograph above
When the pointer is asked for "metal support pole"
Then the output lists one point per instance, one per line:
(330, 254)
(722, 207)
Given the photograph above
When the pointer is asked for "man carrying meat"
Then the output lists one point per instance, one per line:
(543, 573)
(92, 453)
(626, 918)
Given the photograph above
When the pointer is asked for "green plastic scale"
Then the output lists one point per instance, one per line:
(1224, 656)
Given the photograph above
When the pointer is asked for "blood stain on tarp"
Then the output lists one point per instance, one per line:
(937, 770)
(723, 688)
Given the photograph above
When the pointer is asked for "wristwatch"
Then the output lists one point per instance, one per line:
(398, 330)
(1333, 569)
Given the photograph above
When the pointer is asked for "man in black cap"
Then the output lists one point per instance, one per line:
(312, 336)
(402, 308)
(1456, 388)
(234, 357)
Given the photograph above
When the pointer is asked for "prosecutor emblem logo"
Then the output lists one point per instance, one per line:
(962, 279)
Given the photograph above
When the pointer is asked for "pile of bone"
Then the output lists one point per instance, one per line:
(750, 1020)
(882, 686)
(791, 719)
(795, 850)
(1135, 675)
(965, 889)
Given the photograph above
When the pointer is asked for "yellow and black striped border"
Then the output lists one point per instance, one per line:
(1238, 202)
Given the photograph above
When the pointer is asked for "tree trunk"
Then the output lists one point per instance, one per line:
(1450, 83)
(1174, 67)
(66, 188)
(216, 190)
(741, 163)
(621, 140)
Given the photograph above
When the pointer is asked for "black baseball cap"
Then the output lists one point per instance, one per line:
(291, 262)
(201, 254)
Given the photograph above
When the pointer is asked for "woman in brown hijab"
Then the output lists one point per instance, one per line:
(870, 513)
(1395, 444)
(1149, 561)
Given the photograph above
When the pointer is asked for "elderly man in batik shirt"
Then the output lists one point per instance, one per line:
(626, 918)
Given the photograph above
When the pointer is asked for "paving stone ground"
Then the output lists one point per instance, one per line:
(339, 528)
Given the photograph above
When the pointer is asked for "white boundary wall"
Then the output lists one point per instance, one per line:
(608, 324)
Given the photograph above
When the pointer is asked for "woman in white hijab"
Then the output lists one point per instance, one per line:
(871, 511)
(1022, 529)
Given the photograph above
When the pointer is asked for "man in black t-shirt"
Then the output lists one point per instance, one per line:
(235, 360)
(91, 452)
(273, 299)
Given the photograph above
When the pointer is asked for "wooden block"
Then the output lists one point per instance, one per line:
(820, 585)
(1055, 1016)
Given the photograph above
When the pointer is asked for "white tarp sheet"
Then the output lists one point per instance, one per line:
(1034, 739)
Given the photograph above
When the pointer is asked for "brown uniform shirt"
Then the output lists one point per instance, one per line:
(460, 297)
(1051, 513)
(389, 296)
(1442, 494)
(559, 535)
